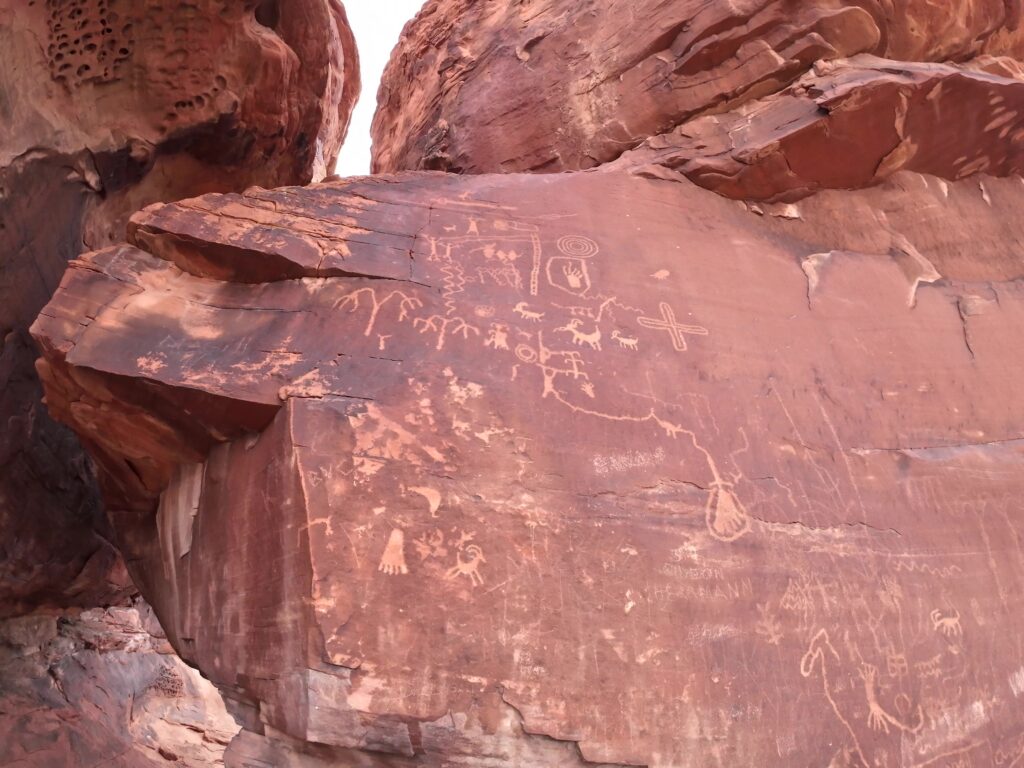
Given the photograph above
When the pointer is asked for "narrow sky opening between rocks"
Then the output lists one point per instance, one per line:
(377, 25)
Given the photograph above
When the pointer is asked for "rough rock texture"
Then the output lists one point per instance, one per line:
(551, 85)
(107, 106)
(583, 468)
(95, 688)
(849, 125)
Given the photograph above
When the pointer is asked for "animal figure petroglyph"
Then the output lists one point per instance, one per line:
(592, 339)
(469, 567)
(392, 562)
(523, 310)
(947, 625)
(626, 342)
(443, 326)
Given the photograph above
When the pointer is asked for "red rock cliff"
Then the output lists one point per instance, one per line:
(107, 106)
(709, 457)
(554, 86)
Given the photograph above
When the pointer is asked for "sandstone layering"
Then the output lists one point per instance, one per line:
(709, 455)
(107, 106)
(553, 85)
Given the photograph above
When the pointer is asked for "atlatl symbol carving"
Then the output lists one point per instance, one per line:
(727, 518)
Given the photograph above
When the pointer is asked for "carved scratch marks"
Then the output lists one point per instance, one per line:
(890, 691)
(878, 718)
(821, 657)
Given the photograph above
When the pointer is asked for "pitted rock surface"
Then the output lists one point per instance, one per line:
(107, 106)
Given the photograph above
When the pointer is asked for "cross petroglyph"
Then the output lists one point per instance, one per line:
(667, 322)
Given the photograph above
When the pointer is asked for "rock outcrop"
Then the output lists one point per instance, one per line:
(95, 688)
(850, 125)
(107, 106)
(479, 87)
(709, 456)
(590, 468)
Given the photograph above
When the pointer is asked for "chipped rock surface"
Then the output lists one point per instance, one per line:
(560, 470)
(553, 85)
(107, 106)
(95, 688)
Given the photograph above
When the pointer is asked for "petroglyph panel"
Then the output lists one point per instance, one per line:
(640, 509)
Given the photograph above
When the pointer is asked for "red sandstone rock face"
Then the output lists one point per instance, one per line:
(94, 688)
(850, 125)
(107, 106)
(560, 470)
(551, 86)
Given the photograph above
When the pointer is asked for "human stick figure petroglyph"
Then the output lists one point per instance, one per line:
(497, 337)
(667, 322)
(768, 625)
